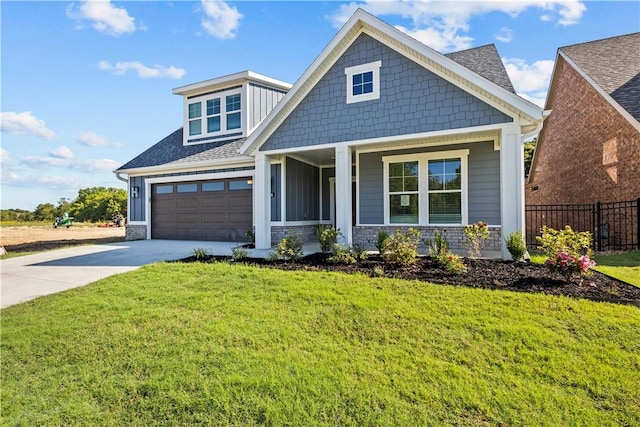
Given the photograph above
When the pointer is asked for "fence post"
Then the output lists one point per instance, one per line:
(599, 227)
(638, 221)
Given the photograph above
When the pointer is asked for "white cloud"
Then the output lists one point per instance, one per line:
(104, 16)
(221, 20)
(61, 153)
(144, 72)
(5, 158)
(24, 123)
(91, 139)
(48, 181)
(81, 165)
(531, 81)
(505, 35)
(441, 25)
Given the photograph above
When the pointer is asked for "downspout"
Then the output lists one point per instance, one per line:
(538, 127)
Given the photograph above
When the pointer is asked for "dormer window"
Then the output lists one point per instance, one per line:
(363, 82)
(213, 115)
(233, 111)
(195, 121)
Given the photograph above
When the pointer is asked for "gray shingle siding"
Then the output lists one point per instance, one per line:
(484, 182)
(412, 100)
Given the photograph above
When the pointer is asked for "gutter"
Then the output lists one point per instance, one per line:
(121, 178)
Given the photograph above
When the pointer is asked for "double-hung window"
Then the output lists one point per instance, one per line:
(195, 120)
(213, 115)
(363, 82)
(233, 111)
(426, 188)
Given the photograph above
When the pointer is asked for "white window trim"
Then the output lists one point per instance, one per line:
(223, 115)
(359, 69)
(423, 183)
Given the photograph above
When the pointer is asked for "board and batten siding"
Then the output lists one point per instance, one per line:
(484, 182)
(412, 100)
(303, 191)
(262, 99)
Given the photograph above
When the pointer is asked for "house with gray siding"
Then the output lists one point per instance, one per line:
(380, 133)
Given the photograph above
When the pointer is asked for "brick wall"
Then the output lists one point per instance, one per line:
(587, 151)
(135, 232)
(306, 232)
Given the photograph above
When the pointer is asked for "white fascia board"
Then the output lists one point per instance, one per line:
(624, 113)
(446, 68)
(236, 78)
(236, 162)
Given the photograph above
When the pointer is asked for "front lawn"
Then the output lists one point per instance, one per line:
(623, 266)
(225, 344)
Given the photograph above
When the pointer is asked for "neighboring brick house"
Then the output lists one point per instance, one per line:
(589, 149)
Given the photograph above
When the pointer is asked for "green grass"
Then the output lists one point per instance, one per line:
(16, 254)
(623, 266)
(224, 344)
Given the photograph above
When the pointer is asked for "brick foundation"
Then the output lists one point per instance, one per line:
(306, 232)
(135, 232)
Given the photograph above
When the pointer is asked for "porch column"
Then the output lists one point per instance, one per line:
(343, 192)
(511, 183)
(262, 202)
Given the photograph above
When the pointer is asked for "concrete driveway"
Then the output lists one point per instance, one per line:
(28, 277)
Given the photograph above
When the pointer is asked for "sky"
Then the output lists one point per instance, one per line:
(87, 85)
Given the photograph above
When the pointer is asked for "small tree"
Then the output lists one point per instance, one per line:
(476, 235)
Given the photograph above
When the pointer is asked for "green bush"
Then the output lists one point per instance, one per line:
(327, 236)
(346, 254)
(568, 252)
(438, 248)
(381, 241)
(239, 253)
(454, 264)
(402, 247)
(251, 235)
(290, 247)
(516, 245)
(200, 254)
(476, 234)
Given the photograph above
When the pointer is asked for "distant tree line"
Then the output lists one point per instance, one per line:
(95, 204)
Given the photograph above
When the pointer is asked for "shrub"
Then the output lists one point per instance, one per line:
(381, 241)
(454, 264)
(239, 253)
(402, 247)
(553, 242)
(438, 248)
(346, 254)
(251, 235)
(568, 252)
(290, 247)
(327, 236)
(516, 245)
(200, 254)
(476, 234)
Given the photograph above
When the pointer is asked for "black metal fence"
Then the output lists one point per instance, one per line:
(614, 226)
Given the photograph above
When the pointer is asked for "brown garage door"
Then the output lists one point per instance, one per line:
(203, 210)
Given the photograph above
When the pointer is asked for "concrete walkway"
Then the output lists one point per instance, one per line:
(28, 277)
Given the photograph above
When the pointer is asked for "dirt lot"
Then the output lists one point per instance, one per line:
(39, 238)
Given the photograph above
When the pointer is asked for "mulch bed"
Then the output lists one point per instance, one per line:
(488, 274)
(58, 244)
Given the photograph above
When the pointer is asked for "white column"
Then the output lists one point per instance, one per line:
(343, 192)
(262, 202)
(511, 183)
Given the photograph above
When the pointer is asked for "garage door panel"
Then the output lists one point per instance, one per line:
(206, 215)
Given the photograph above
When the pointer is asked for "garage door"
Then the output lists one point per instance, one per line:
(203, 210)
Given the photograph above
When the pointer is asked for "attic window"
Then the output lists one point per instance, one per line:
(363, 82)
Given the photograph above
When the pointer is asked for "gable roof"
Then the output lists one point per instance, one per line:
(486, 62)
(613, 65)
(171, 153)
(362, 22)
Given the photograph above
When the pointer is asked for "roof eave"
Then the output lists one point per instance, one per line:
(229, 80)
(180, 166)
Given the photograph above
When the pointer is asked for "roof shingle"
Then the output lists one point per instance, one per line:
(485, 61)
(614, 65)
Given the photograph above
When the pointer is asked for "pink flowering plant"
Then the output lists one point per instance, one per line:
(568, 252)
